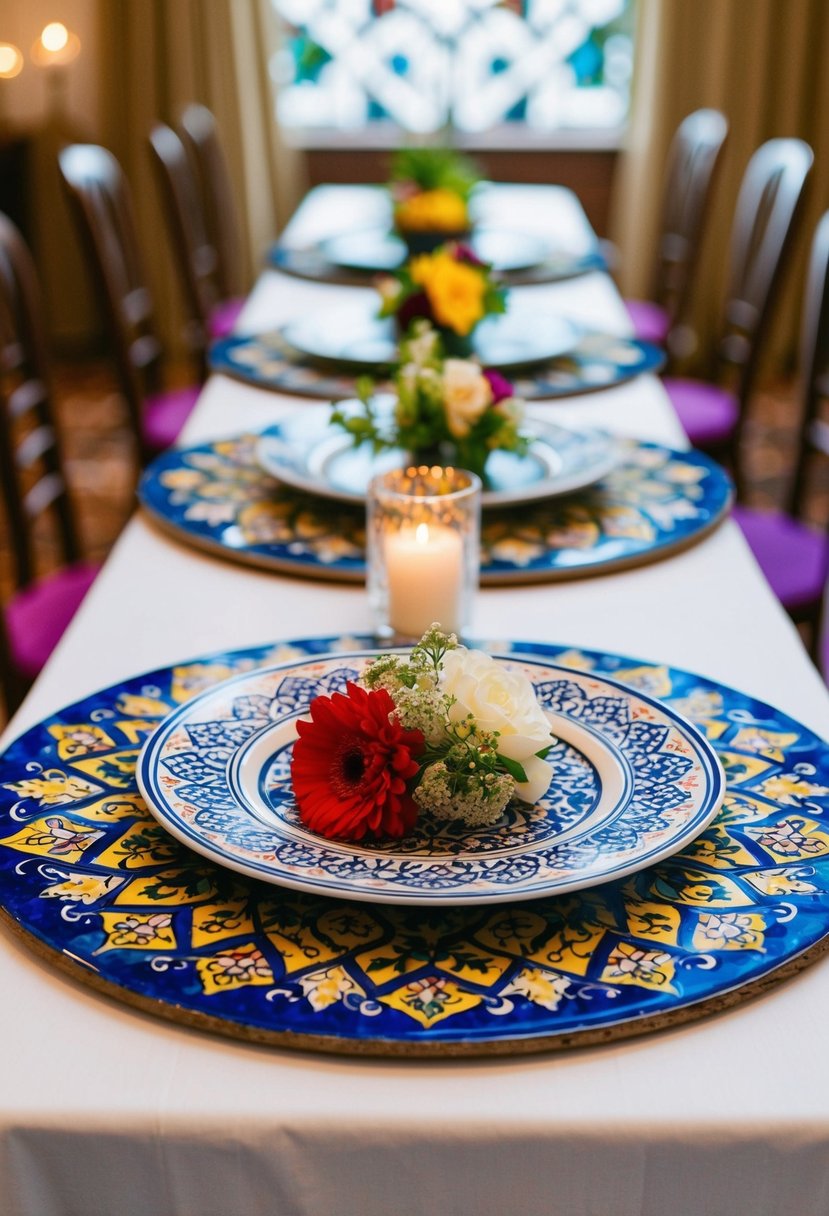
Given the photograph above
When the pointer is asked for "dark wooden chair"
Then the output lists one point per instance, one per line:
(33, 482)
(201, 137)
(793, 555)
(101, 202)
(209, 315)
(692, 163)
(768, 207)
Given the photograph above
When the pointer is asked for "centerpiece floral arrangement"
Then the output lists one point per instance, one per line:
(446, 731)
(430, 190)
(451, 288)
(445, 411)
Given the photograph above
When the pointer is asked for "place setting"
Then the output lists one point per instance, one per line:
(558, 502)
(323, 352)
(346, 845)
(435, 195)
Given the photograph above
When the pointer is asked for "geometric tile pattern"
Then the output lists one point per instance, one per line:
(98, 886)
(656, 501)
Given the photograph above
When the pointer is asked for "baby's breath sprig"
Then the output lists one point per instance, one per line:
(462, 774)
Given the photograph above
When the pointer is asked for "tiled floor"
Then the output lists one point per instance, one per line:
(102, 467)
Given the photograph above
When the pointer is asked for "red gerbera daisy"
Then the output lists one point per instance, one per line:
(351, 764)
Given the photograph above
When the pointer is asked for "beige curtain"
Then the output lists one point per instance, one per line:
(158, 55)
(763, 63)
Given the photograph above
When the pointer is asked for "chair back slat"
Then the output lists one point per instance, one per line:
(692, 162)
(31, 469)
(25, 397)
(42, 495)
(768, 206)
(201, 137)
(196, 257)
(814, 363)
(101, 201)
(34, 446)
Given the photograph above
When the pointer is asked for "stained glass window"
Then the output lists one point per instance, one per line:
(475, 64)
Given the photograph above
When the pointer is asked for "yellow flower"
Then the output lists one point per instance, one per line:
(432, 211)
(456, 290)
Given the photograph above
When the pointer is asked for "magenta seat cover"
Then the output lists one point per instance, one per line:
(165, 414)
(793, 557)
(650, 322)
(708, 413)
(224, 316)
(37, 616)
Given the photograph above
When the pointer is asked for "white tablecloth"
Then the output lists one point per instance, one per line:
(104, 1110)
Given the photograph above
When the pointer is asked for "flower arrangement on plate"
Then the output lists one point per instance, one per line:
(430, 189)
(451, 288)
(446, 410)
(445, 731)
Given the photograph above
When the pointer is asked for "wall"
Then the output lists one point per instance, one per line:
(49, 107)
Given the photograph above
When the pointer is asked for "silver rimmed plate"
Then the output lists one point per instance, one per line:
(633, 783)
(377, 250)
(352, 337)
(306, 452)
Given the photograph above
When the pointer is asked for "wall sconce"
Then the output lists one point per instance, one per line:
(11, 61)
(56, 46)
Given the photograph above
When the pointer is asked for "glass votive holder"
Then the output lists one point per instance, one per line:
(423, 549)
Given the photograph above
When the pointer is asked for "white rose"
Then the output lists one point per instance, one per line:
(501, 699)
(466, 394)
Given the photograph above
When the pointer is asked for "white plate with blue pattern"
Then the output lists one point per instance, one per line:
(633, 783)
(304, 451)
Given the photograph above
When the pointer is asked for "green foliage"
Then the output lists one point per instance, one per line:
(436, 169)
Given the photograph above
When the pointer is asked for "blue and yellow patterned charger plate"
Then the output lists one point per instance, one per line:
(633, 782)
(356, 257)
(595, 362)
(95, 884)
(656, 502)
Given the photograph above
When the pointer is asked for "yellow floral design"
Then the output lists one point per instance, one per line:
(630, 964)
(544, 988)
(137, 931)
(729, 931)
(242, 967)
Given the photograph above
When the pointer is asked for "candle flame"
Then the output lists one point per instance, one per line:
(422, 534)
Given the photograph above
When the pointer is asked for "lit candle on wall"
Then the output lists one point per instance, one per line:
(11, 61)
(424, 567)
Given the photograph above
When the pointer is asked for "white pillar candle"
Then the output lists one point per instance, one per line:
(424, 568)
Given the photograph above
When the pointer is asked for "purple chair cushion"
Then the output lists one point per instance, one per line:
(708, 413)
(650, 322)
(37, 616)
(793, 557)
(165, 414)
(224, 316)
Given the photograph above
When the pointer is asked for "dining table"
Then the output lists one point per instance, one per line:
(107, 1109)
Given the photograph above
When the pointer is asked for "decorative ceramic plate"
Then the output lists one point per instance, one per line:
(330, 261)
(595, 362)
(377, 250)
(306, 452)
(654, 503)
(633, 783)
(94, 884)
(354, 338)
